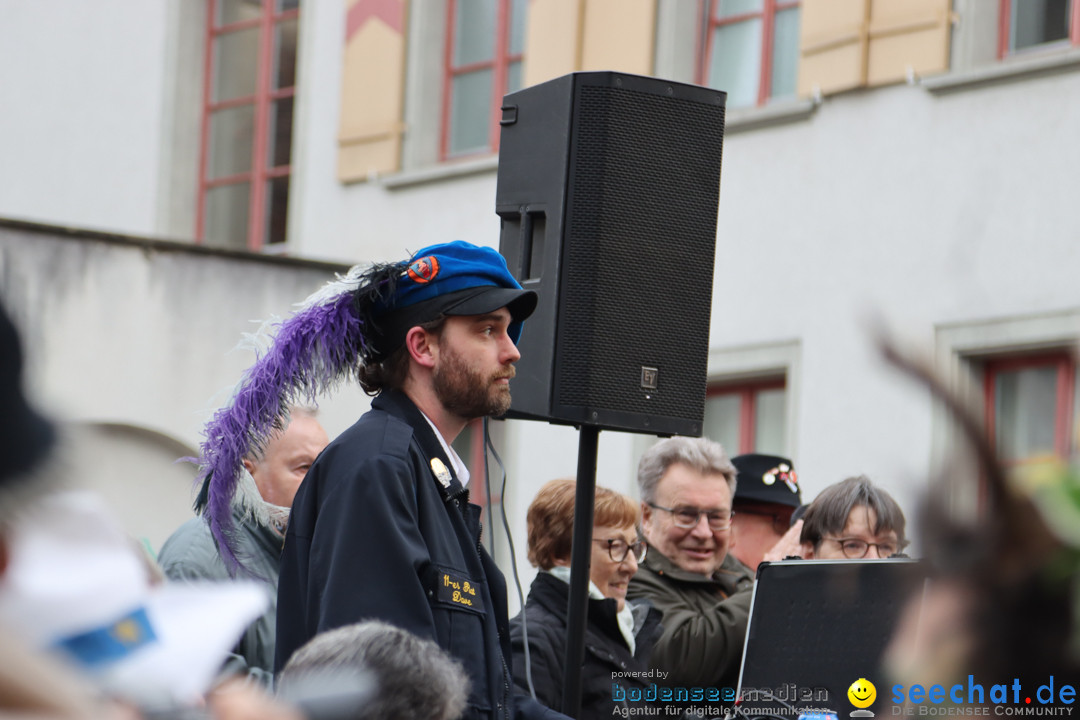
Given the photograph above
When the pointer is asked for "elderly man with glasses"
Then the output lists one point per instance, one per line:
(686, 486)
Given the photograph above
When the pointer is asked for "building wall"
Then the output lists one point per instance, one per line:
(136, 472)
(136, 343)
(367, 220)
(80, 129)
(901, 206)
(921, 205)
(912, 206)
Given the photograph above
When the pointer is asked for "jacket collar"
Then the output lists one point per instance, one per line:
(552, 593)
(399, 405)
(728, 575)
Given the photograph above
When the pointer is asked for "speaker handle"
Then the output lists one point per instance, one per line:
(525, 243)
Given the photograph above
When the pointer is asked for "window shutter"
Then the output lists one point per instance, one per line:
(568, 35)
(552, 39)
(619, 35)
(373, 83)
(855, 43)
(833, 45)
(907, 34)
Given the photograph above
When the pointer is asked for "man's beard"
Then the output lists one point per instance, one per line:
(466, 392)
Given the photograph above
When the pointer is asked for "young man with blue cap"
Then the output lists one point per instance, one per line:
(382, 527)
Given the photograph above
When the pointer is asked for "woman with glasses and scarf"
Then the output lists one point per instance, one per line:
(619, 634)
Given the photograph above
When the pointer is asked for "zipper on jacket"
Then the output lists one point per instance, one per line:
(506, 687)
(460, 498)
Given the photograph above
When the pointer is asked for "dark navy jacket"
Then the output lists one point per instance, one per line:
(608, 661)
(373, 534)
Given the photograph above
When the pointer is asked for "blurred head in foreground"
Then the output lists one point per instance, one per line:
(1003, 600)
(406, 677)
(75, 588)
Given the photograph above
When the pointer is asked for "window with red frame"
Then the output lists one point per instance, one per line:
(1028, 24)
(748, 417)
(484, 44)
(1030, 401)
(247, 122)
(751, 50)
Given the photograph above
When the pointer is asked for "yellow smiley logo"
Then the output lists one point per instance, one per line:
(862, 693)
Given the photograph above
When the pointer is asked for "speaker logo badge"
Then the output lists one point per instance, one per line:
(649, 377)
(424, 270)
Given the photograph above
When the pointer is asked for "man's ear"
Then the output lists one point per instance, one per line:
(807, 551)
(3, 555)
(646, 517)
(422, 346)
(249, 465)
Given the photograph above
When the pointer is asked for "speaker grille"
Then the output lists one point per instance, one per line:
(637, 287)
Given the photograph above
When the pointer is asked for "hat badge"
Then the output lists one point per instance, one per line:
(442, 474)
(784, 473)
(424, 270)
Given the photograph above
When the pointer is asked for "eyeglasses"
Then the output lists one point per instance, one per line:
(689, 517)
(618, 549)
(854, 548)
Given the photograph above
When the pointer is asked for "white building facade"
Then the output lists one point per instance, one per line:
(905, 165)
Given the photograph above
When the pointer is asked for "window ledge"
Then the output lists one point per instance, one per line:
(780, 113)
(1005, 71)
(438, 173)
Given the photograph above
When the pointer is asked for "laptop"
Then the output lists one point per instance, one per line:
(816, 628)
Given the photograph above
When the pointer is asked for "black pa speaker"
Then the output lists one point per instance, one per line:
(608, 189)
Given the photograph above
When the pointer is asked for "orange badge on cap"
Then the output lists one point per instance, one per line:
(424, 270)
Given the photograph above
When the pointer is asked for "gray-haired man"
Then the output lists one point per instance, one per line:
(686, 487)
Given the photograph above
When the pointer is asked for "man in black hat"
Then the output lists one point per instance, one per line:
(766, 494)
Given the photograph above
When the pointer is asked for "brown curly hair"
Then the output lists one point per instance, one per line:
(551, 519)
(390, 372)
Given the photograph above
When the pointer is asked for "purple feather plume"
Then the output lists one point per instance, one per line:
(313, 351)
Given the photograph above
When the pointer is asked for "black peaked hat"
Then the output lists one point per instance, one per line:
(768, 479)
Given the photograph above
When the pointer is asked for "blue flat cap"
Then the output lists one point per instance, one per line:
(455, 278)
